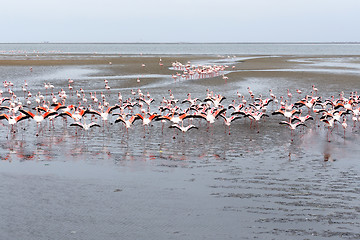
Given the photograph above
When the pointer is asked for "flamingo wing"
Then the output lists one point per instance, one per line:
(30, 114)
(285, 123)
(219, 111)
(159, 118)
(233, 118)
(112, 108)
(90, 111)
(278, 112)
(191, 127)
(300, 124)
(120, 119)
(21, 117)
(93, 124)
(175, 126)
(48, 114)
(66, 113)
(77, 124)
(4, 116)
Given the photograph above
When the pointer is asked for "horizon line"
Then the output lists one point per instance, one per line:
(313, 42)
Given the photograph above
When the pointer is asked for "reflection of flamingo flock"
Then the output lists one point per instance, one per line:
(140, 106)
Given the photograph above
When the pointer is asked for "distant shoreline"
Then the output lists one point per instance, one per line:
(290, 43)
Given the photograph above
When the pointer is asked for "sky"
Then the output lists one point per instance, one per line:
(180, 21)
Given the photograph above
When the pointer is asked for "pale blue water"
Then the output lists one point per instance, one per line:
(185, 48)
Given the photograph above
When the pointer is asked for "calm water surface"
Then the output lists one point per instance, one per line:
(185, 48)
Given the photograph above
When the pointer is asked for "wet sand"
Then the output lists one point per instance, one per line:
(205, 184)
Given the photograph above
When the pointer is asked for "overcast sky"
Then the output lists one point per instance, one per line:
(180, 21)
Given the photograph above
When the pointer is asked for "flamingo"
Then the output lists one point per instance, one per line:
(235, 107)
(286, 113)
(250, 92)
(292, 126)
(256, 116)
(315, 89)
(147, 120)
(104, 114)
(146, 101)
(302, 119)
(289, 94)
(172, 118)
(85, 126)
(77, 115)
(38, 118)
(183, 129)
(229, 120)
(215, 100)
(329, 124)
(12, 120)
(210, 115)
(190, 100)
(344, 125)
(128, 123)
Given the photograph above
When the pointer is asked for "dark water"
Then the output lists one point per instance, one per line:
(205, 184)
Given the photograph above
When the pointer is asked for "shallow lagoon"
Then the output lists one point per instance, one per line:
(159, 183)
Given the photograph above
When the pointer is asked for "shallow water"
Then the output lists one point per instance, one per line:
(210, 185)
(161, 184)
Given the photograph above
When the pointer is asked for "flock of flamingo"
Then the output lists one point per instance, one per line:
(197, 72)
(52, 106)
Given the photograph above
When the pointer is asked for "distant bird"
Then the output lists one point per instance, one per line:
(315, 89)
(289, 94)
